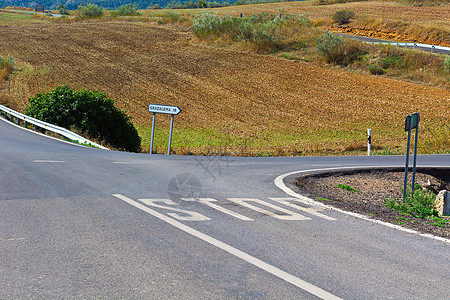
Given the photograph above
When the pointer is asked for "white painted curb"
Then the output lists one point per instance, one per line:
(280, 184)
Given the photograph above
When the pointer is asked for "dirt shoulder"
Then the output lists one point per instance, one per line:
(373, 187)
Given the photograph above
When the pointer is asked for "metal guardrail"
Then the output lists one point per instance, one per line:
(423, 47)
(432, 48)
(47, 126)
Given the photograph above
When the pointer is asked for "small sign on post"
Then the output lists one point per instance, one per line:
(411, 122)
(162, 109)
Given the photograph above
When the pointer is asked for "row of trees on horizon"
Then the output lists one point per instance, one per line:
(141, 4)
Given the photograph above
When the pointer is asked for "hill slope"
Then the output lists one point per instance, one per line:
(244, 100)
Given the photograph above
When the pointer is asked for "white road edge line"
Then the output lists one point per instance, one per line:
(48, 161)
(312, 289)
(280, 184)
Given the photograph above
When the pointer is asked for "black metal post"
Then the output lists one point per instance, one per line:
(407, 162)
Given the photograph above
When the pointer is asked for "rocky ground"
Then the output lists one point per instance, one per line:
(373, 187)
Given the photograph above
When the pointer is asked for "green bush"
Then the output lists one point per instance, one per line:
(393, 61)
(418, 205)
(126, 10)
(90, 11)
(7, 62)
(330, 46)
(62, 10)
(375, 69)
(337, 50)
(343, 16)
(92, 113)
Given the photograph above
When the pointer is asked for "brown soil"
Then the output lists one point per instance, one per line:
(373, 187)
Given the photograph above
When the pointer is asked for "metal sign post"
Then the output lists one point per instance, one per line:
(411, 122)
(162, 109)
(153, 133)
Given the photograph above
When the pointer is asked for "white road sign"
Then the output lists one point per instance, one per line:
(164, 109)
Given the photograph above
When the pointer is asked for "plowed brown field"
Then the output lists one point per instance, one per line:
(264, 99)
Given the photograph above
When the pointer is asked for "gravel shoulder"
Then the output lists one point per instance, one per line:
(373, 187)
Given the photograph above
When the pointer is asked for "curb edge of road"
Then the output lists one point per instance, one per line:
(279, 182)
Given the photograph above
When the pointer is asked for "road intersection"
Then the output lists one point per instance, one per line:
(79, 222)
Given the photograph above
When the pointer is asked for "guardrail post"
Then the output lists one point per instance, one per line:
(18, 121)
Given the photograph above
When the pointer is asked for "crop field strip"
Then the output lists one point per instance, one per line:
(261, 100)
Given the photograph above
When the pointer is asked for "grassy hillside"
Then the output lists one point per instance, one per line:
(233, 101)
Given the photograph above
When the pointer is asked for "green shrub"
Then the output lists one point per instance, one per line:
(92, 113)
(126, 10)
(90, 11)
(418, 205)
(375, 69)
(339, 51)
(62, 10)
(393, 61)
(7, 62)
(343, 16)
(330, 46)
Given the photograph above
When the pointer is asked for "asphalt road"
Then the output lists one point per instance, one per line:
(418, 46)
(79, 223)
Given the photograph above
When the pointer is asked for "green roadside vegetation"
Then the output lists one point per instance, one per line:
(418, 205)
